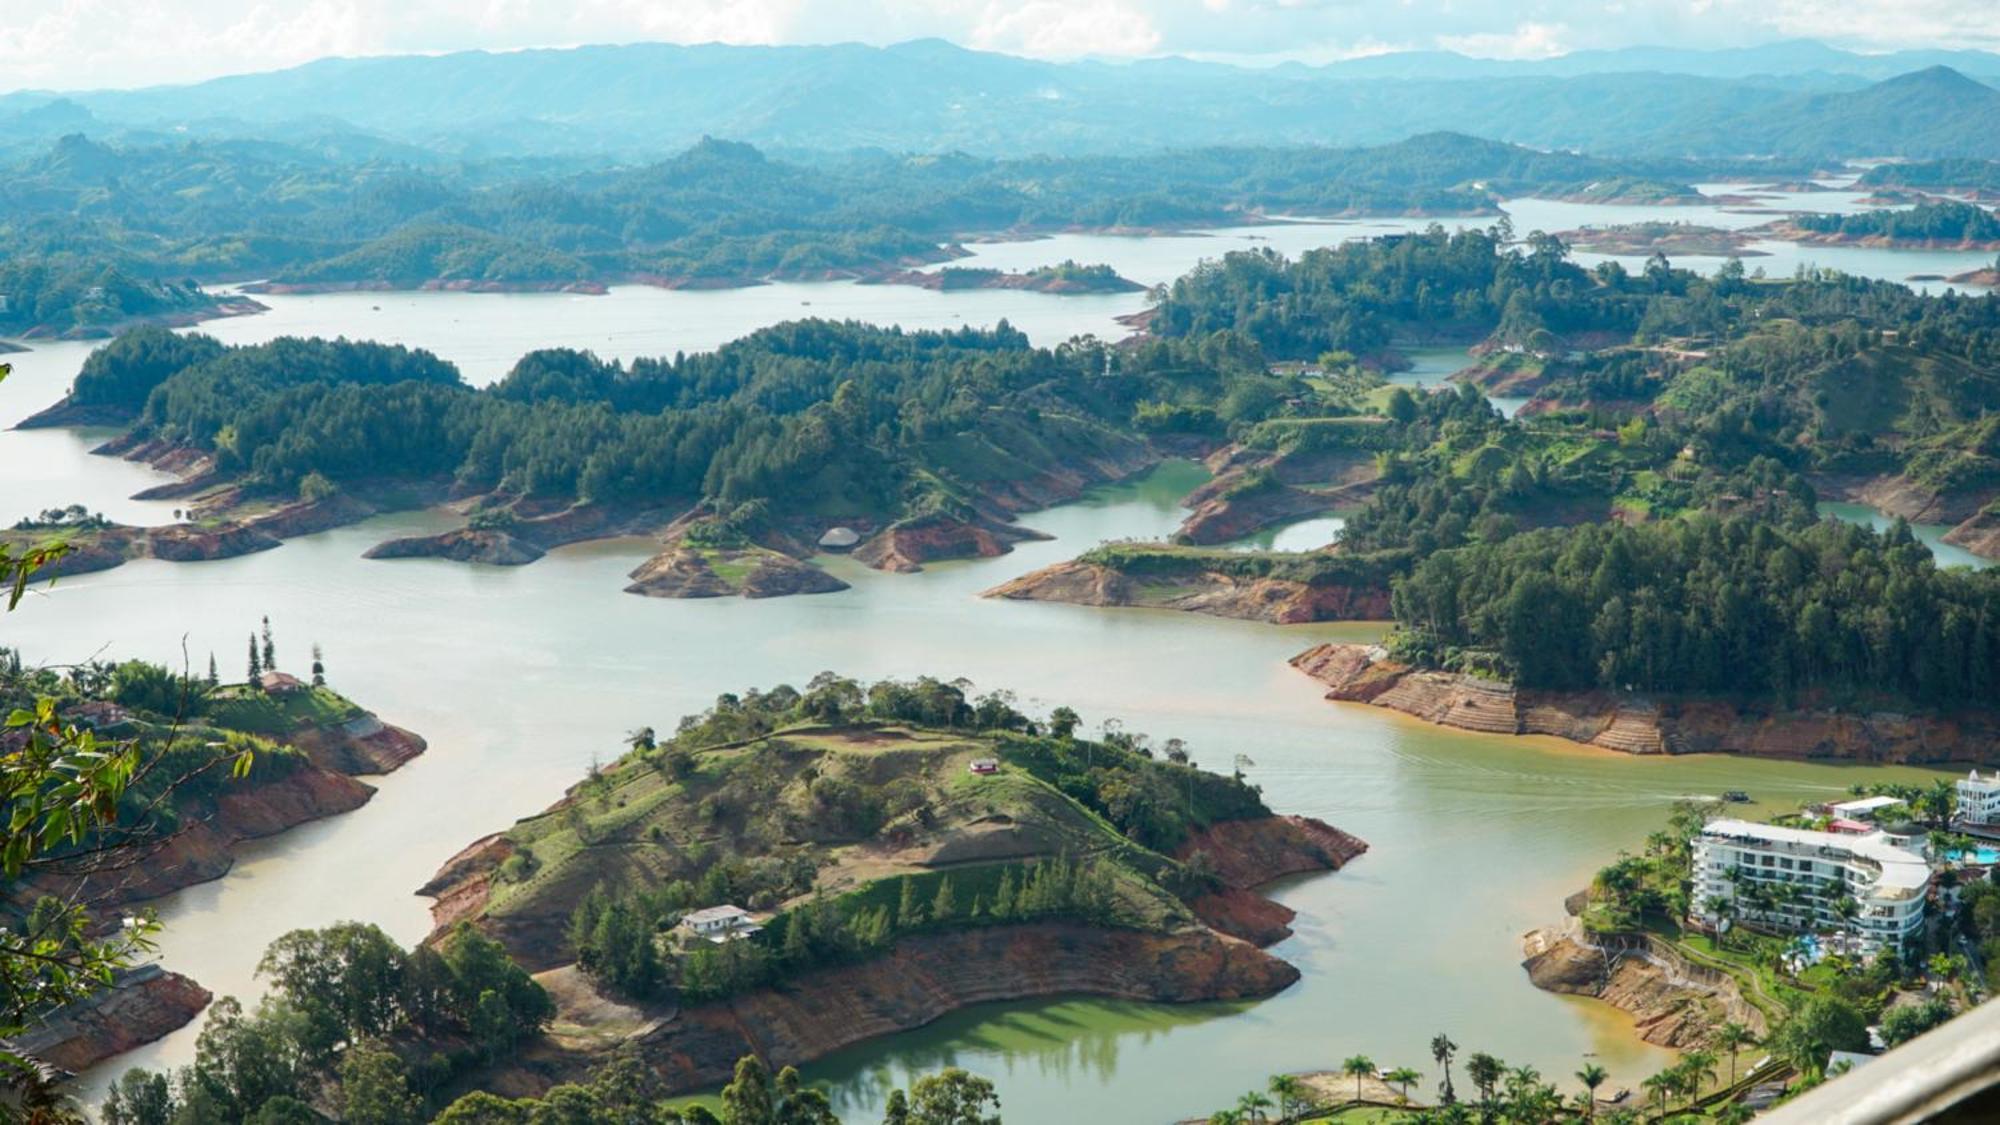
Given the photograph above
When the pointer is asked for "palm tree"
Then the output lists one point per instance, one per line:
(1699, 1066)
(1659, 1085)
(1360, 1066)
(1442, 1049)
(1225, 1117)
(1252, 1105)
(1733, 1037)
(1485, 1070)
(641, 739)
(1403, 1076)
(1290, 1093)
(1592, 1076)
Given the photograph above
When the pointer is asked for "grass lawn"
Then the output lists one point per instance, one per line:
(240, 707)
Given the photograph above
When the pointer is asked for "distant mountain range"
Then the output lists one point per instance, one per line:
(1798, 100)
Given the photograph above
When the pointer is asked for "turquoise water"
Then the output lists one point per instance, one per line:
(1980, 855)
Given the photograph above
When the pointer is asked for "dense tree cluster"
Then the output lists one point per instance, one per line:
(1947, 221)
(351, 1010)
(1708, 604)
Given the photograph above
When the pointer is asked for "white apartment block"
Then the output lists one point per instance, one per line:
(1886, 882)
(1979, 800)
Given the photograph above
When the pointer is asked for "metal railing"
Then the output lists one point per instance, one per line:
(1951, 1073)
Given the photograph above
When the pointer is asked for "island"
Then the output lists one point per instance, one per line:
(219, 764)
(1671, 239)
(1943, 224)
(798, 870)
(1284, 588)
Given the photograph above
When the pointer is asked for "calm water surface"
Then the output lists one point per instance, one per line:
(520, 677)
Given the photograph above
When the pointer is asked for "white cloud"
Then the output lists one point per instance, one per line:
(73, 44)
(1066, 28)
(1527, 41)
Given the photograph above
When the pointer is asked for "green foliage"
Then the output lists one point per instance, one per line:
(1313, 568)
(1907, 1021)
(1945, 221)
(1710, 604)
(1820, 1025)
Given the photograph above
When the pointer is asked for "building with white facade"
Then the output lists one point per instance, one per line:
(1792, 879)
(720, 923)
(1979, 800)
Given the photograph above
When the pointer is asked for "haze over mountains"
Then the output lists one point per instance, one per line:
(1799, 100)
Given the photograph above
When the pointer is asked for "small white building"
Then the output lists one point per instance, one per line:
(1803, 875)
(1862, 808)
(721, 923)
(1979, 800)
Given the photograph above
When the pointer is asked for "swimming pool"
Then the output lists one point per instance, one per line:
(1983, 854)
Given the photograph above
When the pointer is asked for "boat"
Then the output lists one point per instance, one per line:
(1736, 796)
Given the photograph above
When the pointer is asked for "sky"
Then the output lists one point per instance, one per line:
(95, 44)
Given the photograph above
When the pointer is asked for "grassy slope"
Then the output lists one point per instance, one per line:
(636, 828)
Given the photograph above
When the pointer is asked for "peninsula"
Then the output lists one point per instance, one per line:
(796, 871)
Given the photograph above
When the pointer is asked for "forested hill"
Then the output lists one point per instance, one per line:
(97, 233)
(931, 96)
(1719, 606)
(808, 419)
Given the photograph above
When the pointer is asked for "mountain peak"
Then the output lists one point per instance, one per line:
(1936, 79)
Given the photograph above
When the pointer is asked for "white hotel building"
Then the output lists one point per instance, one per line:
(1886, 880)
(1979, 800)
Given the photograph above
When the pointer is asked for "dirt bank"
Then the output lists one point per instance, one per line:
(464, 544)
(906, 545)
(140, 1006)
(930, 976)
(1649, 724)
(1275, 600)
(1673, 1003)
(755, 572)
(1246, 854)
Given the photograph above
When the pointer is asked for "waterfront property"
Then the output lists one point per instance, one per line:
(1871, 887)
(721, 923)
(1979, 801)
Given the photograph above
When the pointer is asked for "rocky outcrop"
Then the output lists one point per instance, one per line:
(1901, 496)
(1249, 853)
(907, 545)
(933, 975)
(755, 572)
(1649, 724)
(1224, 518)
(1672, 1002)
(492, 547)
(1279, 601)
(363, 745)
(67, 413)
(140, 1006)
(1979, 534)
(183, 542)
(460, 889)
(1245, 854)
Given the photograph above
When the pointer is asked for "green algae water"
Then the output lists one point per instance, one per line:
(520, 677)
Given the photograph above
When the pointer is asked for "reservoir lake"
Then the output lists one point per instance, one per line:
(521, 677)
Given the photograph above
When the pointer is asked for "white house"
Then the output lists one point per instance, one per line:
(1732, 858)
(1979, 800)
(720, 923)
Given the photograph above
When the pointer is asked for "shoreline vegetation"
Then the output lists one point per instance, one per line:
(1630, 942)
(940, 850)
(218, 764)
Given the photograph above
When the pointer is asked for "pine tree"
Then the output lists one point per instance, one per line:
(909, 915)
(270, 650)
(1003, 896)
(319, 667)
(944, 907)
(214, 677)
(256, 665)
(798, 945)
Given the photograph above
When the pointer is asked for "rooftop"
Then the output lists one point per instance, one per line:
(1863, 806)
(715, 914)
(1901, 870)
